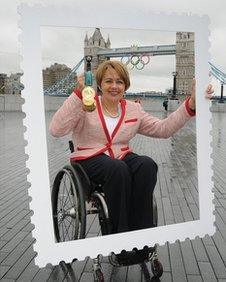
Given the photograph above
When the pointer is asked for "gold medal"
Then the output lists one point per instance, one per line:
(88, 94)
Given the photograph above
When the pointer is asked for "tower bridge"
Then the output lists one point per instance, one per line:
(100, 50)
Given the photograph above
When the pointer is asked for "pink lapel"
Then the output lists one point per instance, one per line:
(102, 119)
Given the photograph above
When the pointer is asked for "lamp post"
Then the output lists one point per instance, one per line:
(88, 62)
(222, 91)
(88, 73)
(174, 85)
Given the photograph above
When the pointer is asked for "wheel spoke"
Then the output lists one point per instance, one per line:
(65, 193)
(67, 233)
(63, 224)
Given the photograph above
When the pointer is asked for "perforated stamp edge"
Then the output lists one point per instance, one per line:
(32, 18)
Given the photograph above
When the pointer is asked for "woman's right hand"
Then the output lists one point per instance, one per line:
(81, 82)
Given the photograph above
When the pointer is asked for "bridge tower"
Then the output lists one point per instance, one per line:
(185, 62)
(92, 46)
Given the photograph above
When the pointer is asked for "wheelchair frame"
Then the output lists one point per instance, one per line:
(69, 215)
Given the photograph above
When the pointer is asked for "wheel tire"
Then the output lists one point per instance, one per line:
(98, 276)
(104, 225)
(68, 206)
(102, 214)
(155, 212)
(157, 268)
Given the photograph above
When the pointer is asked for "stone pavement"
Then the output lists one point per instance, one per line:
(176, 193)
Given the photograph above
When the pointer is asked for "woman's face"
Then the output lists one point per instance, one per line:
(112, 86)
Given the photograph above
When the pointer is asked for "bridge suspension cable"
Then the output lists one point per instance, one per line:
(218, 74)
(61, 88)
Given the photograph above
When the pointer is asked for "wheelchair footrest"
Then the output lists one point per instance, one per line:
(135, 256)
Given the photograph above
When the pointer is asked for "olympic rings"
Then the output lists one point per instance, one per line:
(136, 61)
(145, 59)
(125, 60)
(140, 65)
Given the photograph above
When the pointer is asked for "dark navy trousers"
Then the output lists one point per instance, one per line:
(128, 185)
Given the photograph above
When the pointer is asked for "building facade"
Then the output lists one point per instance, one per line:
(10, 84)
(14, 86)
(54, 73)
(3, 83)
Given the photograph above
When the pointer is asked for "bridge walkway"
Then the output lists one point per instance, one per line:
(176, 193)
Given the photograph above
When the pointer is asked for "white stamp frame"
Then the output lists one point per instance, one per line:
(32, 18)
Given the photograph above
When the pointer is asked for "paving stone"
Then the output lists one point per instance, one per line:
(220, 245)
(42, 275)
(167, 277)
(16, 253)
(199, 250)
(107, 269)
(3, 270)
(163, 256)
(216, 262)
(177, 265)
(189, 258)
(207, 272)
(78, 268)
(29, 273)
(16, 270)
(57, 274)
(194, 278)
(119, 274)
(134, 273)
(87, 276)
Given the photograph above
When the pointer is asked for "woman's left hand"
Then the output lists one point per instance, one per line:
(193, 93)
(209, 91)
(208, 94)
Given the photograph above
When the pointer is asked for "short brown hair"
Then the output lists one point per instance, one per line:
(119, 67)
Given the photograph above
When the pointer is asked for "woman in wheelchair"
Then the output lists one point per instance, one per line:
(101, 142)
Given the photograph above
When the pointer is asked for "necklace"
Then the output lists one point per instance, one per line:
(108, 112)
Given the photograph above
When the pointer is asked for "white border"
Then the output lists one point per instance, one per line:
(32, 18)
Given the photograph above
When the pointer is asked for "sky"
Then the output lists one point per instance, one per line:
(157, 75)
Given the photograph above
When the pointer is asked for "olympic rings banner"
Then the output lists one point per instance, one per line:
(136, 61)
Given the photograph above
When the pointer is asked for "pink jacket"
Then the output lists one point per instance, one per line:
(91, 137)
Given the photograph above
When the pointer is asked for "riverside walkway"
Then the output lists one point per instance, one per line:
(176, 193)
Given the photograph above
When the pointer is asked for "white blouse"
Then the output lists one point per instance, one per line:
(111, 123)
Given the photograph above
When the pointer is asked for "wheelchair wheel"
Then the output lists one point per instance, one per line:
(68, 205)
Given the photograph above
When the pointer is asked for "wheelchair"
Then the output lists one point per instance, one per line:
(74, 197)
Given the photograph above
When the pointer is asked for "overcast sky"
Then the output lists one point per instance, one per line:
(72, 51)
